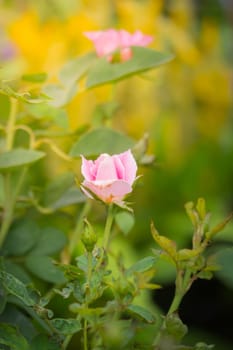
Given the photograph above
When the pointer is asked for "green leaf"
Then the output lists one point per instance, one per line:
(16, 287)
(142, 265)
(11, 337)
(59, 95)
(42, 342)
(27, 97)
(18, 158)
(22, 237)
(47, 112)
(17, 317)
(62, 192)
(165, 243)
(66, 326)
(73, 70)
(44, 268)
(35, 78)
(175, 327)
(125, 221)
(51, 241)
(17, 271)
(187, 254)
(143, 59)
(101, 140)
(142, 313)
(203, 346)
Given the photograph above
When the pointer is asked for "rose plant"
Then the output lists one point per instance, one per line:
(62, 284)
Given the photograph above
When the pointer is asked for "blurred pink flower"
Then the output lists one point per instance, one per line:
(109, 41)
(110, 178)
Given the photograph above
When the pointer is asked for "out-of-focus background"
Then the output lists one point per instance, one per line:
(185, 106)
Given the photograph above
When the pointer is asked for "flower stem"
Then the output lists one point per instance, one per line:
(108, 227)
(78, 229)
(10, 128)
(10, 198)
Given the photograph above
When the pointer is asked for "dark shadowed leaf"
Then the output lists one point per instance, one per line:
(50, 241)
(44, 268)
(11, 337)
(42, 342)
(22, 237)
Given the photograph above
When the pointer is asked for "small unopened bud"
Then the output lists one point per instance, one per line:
(88, 237)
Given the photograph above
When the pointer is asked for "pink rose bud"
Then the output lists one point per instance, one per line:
(109, 41)
(110, 178)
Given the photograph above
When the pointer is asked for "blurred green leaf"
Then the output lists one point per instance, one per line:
(142, 313)
(11, 337)
(25, 96)
(17, 270)
(19, 157)
(60, 95)
(16, 287)
(66, 326)
(42, 342)
(45, 111)
(125, 221)
(18, 318)
(175, 327)
(142, 265)
(73, 70)
(44, 268)
(35, 78)
(101, 140)
(50, 241)
(143, 59)
(22, 237)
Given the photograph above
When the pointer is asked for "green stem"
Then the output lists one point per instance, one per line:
(78, 229)
(10, 198)
(10, 129)
(108, 227)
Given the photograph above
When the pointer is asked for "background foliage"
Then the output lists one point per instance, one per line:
(186, 109)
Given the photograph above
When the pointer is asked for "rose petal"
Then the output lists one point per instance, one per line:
(112, 193)
(87, 169)
(139, 39)
(130, 166)
(106, 169)
(120, 170)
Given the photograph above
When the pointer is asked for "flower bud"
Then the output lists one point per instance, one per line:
(88, 237)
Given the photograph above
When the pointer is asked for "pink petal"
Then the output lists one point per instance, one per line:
(139, 39)
(125, 38)
(87, 169)
(93, 35)
(130, 166)
(120, 170)
(106, 170)
(112, 193)
(107, 42)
